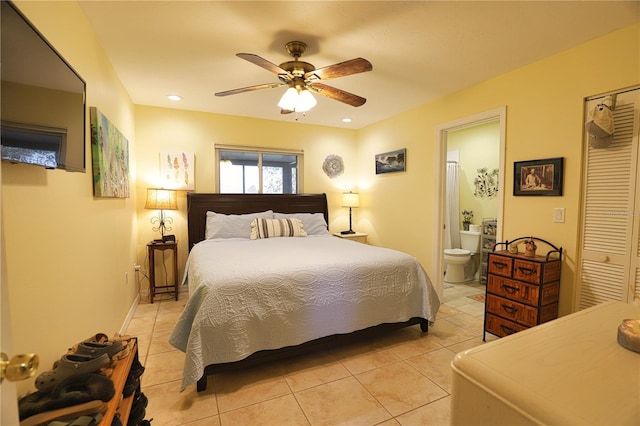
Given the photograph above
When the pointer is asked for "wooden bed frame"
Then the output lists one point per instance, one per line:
(197, 207)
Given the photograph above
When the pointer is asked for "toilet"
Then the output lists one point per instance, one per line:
(462, 262)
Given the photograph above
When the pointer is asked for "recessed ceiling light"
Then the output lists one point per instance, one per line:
(346, 120)
(174, 97)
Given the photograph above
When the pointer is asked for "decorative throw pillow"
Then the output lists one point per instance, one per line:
(270, 228)
(313, 223)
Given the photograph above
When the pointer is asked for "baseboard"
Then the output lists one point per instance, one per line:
(132, 311)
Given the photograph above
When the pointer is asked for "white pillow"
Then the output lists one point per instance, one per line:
(314, 223)
(232, 225)
(271, 228)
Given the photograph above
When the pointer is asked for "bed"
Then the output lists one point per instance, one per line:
(257, 300)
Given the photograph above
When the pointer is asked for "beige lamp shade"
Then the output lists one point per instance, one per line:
(161, 199)
(351, 199)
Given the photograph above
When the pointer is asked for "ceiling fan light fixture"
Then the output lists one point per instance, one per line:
(298, 101)
(306, 101)
(289, 99)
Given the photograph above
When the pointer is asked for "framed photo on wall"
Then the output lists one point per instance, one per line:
(538, 177)
(394, 161)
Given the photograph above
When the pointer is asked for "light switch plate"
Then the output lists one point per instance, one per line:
(558, 215)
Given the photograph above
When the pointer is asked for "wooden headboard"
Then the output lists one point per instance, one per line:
(199, 204)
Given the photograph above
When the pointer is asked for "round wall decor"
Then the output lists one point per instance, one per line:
(333, 166)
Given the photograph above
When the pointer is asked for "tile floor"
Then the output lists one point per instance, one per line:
(401, 378)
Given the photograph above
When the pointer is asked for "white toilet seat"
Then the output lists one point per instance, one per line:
(456, 252)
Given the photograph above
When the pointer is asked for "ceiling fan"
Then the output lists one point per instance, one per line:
(302, 78)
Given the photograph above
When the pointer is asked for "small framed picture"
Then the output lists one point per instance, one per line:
(394, 161)
(538, 177)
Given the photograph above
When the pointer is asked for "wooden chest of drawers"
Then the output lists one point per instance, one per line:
(521, 292)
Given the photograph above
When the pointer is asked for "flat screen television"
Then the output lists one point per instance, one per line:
(42, 99)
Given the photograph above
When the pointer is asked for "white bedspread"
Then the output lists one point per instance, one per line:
(250, 295)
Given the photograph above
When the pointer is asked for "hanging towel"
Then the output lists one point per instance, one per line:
(600, 126)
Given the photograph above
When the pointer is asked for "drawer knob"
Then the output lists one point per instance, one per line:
(604, 258)
(500, 265)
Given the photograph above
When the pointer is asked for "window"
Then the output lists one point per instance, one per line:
(243, 170)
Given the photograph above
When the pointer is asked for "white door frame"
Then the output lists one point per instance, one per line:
(440, 192)
(8, 390)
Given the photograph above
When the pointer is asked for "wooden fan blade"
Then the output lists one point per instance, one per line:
(261, 62)
(337, 94)
(342, 69)
(249, 89)
(286, 111)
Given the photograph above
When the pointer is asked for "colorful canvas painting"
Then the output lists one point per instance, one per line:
(110, 157)
(177, 170)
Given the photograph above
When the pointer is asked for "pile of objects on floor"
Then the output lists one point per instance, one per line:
(77, 390)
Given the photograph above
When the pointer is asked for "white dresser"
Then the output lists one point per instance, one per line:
(570, 371)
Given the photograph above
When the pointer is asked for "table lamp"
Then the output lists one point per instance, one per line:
(351, 200)
(161, 199)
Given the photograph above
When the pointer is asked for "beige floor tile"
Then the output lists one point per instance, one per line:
(436, 365)
(141, 325)
(446, 333)
(390, 422)
(281, 411)
(209, 421)
(160, 342)
(446, 311)
(370, 360)
(344, 401)
(469, 322)
(435, 414)
(169, 407)
(146, 310)
(419, 345)
(400, 388)
(309, 371)
(242, 388)
(467, 344)
(167, 306)
(163, 367)
(166, 321)
(474, 308)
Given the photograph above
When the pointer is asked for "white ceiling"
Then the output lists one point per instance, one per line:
(420, 50)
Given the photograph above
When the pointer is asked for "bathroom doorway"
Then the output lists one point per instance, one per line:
(445, 136)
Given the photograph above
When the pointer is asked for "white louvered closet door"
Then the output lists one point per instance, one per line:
(610, 248)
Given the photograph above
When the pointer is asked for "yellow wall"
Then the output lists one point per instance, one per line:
(544, 103)
(67, 252)
(479, 148)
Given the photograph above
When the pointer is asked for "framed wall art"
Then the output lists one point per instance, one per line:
(538, 177)
(177, 170)
(110, 158)
(393, 161)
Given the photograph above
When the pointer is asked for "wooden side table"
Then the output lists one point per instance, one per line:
(356, 236)
(152, 247)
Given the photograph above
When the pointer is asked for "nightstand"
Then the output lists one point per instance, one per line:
(358, 236)
(152, 247)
